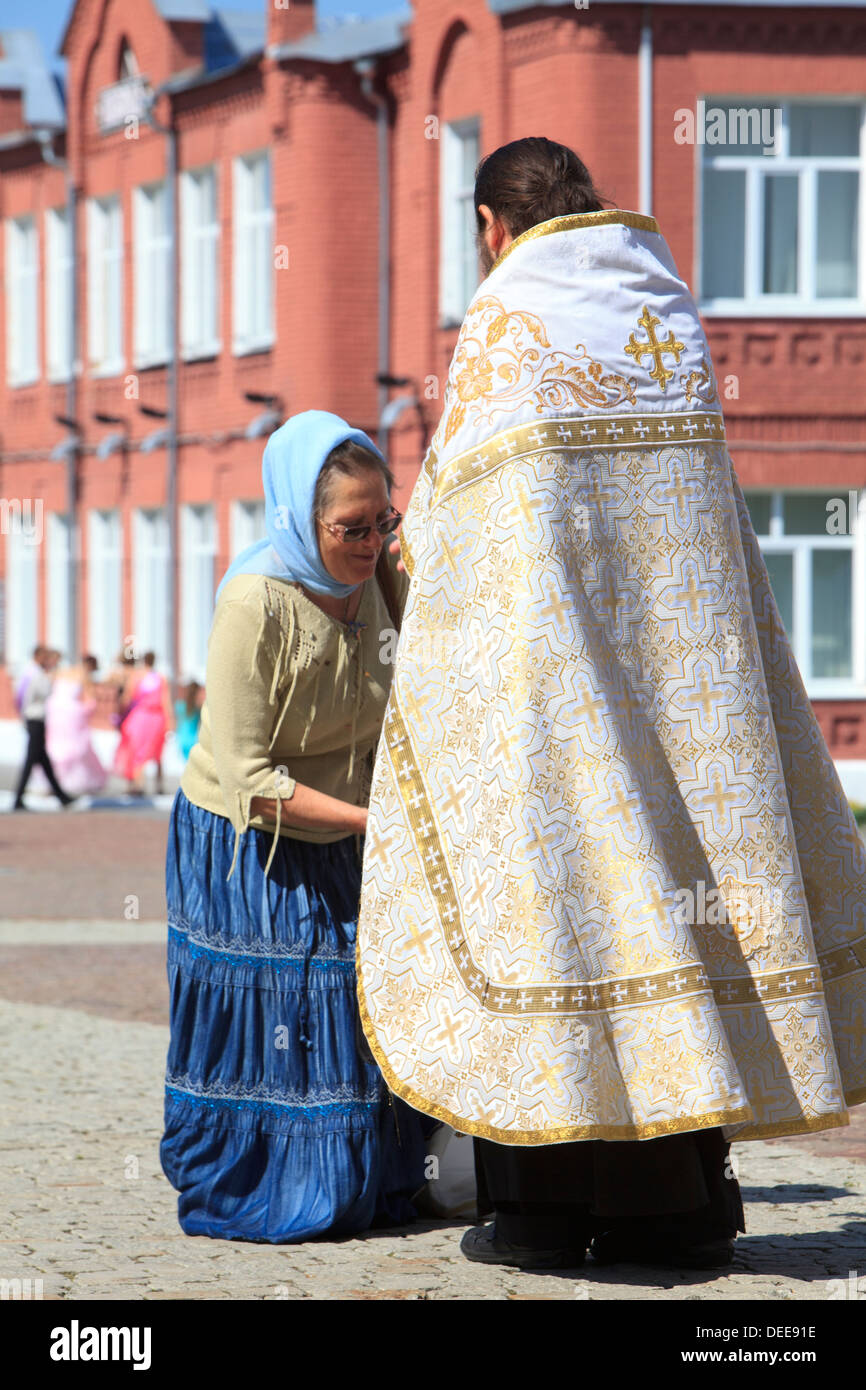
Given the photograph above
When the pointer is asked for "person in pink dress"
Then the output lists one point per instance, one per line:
(143, 726)
(68, 712)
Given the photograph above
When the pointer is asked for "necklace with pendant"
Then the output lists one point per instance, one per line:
(352, 624)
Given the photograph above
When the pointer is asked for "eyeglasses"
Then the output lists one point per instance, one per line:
(348, 534)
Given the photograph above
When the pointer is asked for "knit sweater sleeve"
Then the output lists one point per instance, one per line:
(241, 681)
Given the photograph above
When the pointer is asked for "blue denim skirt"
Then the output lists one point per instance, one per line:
(278, 1124)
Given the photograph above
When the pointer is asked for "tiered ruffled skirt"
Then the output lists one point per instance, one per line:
(278, 1125)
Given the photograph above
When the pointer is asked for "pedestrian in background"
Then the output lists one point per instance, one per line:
(188, 718)
(33, 698)
(144, 724)
(68, 712)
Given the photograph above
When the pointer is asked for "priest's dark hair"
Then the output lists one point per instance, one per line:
(531, 180)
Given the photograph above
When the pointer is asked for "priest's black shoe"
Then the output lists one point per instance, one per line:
(624, 1247)
(483, 1245)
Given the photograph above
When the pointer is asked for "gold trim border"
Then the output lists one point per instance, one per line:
(535, 1137)
(406, 554)
(578, 997)
(579, 432)
(574, 220)
(562, 1135)
(840, 961)
(780, 1129)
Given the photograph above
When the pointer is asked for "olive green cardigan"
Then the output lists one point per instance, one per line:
(291, 696)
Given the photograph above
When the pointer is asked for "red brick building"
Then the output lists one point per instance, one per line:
(318, 230)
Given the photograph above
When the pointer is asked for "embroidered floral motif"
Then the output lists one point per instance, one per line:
(499, 362)
(314, 1098)
(700, 384)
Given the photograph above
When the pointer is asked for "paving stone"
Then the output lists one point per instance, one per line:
(83, 1093)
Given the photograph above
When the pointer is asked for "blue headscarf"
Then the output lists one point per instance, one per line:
(291, 463)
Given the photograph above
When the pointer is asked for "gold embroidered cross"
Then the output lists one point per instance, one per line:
(655, 347)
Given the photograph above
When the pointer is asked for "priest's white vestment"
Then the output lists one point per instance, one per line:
(612, 886)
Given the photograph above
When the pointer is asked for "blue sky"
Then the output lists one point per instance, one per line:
(49, 17)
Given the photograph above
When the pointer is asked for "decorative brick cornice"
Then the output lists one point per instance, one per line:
(526, 40)
(775, 344)
(745, 30)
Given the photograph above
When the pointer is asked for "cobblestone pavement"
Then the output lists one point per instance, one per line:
(89, 1213)
(83, 862)
(83, 1013)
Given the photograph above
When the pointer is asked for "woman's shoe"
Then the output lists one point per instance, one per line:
(626, 1247)
(484, 1246)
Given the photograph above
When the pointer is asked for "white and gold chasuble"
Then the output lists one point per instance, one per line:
(612, 886)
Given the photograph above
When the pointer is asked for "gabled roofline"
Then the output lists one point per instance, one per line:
(345, 43)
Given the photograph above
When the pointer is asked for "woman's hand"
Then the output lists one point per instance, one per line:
(310, 809)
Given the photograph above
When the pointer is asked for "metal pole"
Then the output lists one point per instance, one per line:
(366, 69)
(171, 443)
(71, 455)
(172, 422)
(645, 113)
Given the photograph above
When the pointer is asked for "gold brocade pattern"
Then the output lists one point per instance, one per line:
(612, 885)
(585, 995)
(563, 432)
(621, 800)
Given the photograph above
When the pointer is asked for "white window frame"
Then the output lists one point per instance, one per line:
(22, 301)
(21, 596)
(58, 295)
(453, 194)
(802, 547)
(105, 354)
(151, 262)
(200, 258)
(198, 552)
(754, 302)
(253, 261)
(128, 64)
(247, 523)
(58, 536)
(150, 590)
(104, 585)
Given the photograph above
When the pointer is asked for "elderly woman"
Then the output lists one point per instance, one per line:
(278, 1125)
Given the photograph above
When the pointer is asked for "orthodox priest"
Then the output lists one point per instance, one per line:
(612, 913)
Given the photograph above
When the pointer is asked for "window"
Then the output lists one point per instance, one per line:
(150, 578)
(59, 631)
(128, 64)
(782, 207)
(198, 536)
(199, 264)
(104, 286)
(104, 587)
(22, 594)
(152, 267)
(58, 325)
(814, 576)
(248, 525)
(253, 271)
(459, 270)
(22, 289)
